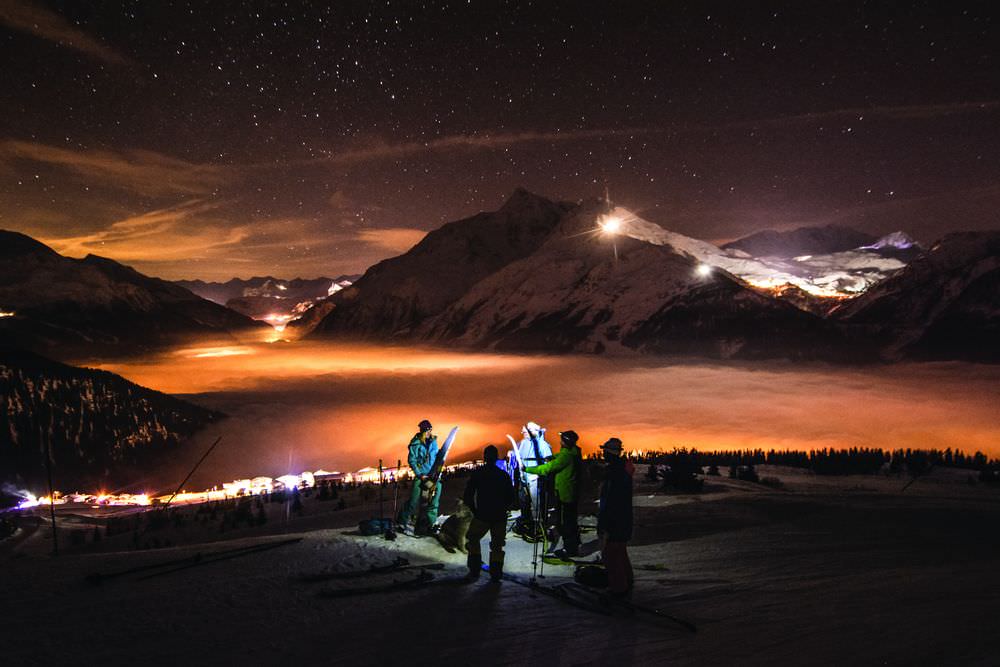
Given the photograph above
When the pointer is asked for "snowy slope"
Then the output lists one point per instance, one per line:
(837, 275)
(397, 295)
(585, 291)
(944, 305)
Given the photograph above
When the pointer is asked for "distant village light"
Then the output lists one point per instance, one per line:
(6, 313)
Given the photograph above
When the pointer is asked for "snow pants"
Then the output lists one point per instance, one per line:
(429, 509)
(567, 527)
(498, 538)
(614, 555)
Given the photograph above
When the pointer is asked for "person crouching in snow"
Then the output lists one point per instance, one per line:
(423, 450)
(534, 451)
(566, 467)
(489, 494)
(614, 518)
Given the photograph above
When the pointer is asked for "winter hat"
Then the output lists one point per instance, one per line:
(424, 426)
(533, 428)
(613, 445)
(569, 437)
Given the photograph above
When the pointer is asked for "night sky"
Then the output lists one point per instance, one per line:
(219, 139)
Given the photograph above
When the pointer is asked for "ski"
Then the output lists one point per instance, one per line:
(554, 592)
(442, 456)
(423, 579)
(225, 555)
(611, 601)
(100, 577)
(398, 565)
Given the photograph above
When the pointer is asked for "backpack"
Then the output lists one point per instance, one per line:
(595, 576)
(374, 526)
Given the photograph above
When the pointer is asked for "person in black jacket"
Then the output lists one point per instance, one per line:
(489, 494)
(614, 518)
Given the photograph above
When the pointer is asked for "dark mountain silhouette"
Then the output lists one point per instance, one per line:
(64, 306)
(802, 241)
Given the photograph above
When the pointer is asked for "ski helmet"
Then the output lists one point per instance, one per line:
(533, 428)
(569, 437)
(424, 426)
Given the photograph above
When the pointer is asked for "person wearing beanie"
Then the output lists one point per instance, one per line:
(489, 494)
(614, 518)
(566, 467)
(422, 452)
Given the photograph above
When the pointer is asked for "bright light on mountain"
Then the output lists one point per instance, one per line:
(704, 270)
(610, 225)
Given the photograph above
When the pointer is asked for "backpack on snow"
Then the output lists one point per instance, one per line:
(374, 526)
(595, 576)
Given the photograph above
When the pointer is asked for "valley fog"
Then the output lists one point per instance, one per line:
(307, 405)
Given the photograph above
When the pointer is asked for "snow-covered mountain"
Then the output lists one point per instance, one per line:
(65, 306)
(268, 298)
(297, 289)
(944, 305)
(537, 275)
(584, 291)
(831, 275)
(397, 295)
(540, 275)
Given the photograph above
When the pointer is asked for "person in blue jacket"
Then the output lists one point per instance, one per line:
(422, 453)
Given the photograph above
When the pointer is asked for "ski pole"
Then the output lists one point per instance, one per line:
(381, 484)
(395, 489)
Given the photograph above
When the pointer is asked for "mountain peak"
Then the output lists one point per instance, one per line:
(522, 200)
(898, 240)
(16, 244)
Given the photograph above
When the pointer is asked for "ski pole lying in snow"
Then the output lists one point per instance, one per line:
(195, 559)
(235, 553)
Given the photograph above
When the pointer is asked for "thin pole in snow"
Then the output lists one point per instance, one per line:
(52, 500)
(381, 484)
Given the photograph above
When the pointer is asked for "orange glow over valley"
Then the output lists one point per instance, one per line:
(306, 405)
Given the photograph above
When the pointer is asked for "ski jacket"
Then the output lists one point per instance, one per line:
(527, 451)
(615, 514)
(489, 494)
(566, 466)
(421, 455)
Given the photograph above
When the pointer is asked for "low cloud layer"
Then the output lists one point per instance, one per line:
(310, 405)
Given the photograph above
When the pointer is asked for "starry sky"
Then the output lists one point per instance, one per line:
(219, 139)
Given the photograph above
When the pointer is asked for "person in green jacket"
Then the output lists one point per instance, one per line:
(566, 466)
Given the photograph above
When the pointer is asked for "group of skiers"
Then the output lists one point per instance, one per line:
(526, 480)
